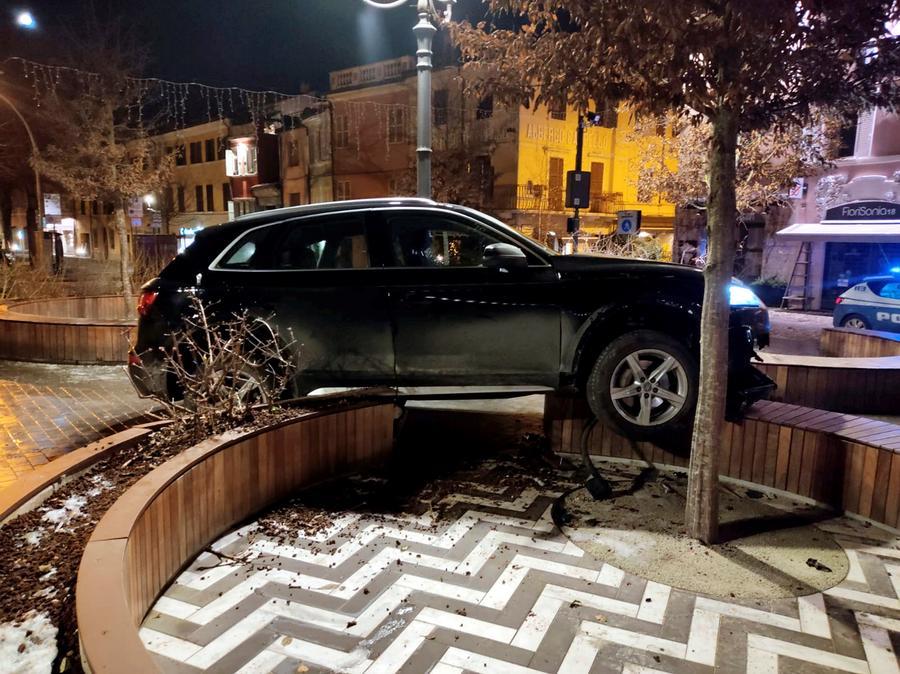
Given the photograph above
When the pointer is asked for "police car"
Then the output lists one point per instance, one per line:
(873, 304)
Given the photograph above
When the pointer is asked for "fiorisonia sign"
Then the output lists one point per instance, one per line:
(864, 210)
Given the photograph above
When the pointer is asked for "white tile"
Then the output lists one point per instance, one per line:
(171, 647)
(864, 597)
(568, 595)
(634, 639)
(442, 589)
(223, 644)
(441, 668)
(611, 575)
(654, 602)
(761, 662)
(879, 650)
(479, 628)
(889, 624)
(854, 573)
(400, 650)
(704, 637)
(505, 586)
(747, 613)
(354, 662)
(535, 626)
(474, 662)
(633, 668)
(174, 607)
(580, 657)
(813, 616)
(807, 654)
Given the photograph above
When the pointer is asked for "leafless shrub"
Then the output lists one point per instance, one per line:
(20, 281)
(638, 247)
(225, 366)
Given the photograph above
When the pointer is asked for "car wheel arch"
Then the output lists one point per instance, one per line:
(606, 324)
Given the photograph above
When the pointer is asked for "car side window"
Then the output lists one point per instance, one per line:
(332, 243)
(427, 240)
(250, 252)
(890, 290)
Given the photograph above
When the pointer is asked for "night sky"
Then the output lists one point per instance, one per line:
(267, 44)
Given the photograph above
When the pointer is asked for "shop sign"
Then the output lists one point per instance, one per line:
(864, 210)
(52, 204)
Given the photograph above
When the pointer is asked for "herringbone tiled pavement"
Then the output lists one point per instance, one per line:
(475, 577)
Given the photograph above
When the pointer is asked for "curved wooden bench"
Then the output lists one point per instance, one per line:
(72, 330)
(847, 462)
(842, 342)
(859, 385)
(164, 520)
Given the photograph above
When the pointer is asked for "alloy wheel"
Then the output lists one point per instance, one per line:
(649, 387)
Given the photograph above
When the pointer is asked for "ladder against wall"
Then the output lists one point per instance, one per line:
(796, 295)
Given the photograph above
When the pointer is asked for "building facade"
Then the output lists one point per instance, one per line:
(846, 221)
(199, 192)
(511, 161)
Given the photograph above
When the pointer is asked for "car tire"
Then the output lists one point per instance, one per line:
(657, 402)
(855, 322)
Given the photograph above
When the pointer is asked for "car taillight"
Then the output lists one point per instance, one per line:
(838, 300)
(148, 297)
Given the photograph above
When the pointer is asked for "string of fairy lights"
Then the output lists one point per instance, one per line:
(178, 104)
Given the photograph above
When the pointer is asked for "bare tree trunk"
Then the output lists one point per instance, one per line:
(702, 511)
(124, 260)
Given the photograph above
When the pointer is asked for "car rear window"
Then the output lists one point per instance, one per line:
(197, 257)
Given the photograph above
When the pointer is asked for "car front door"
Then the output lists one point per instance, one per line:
(313, 277)
(457, 322)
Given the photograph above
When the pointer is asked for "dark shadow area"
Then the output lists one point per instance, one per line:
(731, 531)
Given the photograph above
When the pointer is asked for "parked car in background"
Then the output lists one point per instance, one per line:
(873, 304)
(412, 293)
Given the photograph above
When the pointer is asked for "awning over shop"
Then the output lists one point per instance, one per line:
(871, 231)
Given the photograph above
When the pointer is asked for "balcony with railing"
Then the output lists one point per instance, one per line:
(382, 71)
(531, 197)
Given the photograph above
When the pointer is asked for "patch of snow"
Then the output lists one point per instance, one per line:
(29, 646)
(100, 485)
(63, 516)
(385, 630)
(34, 537)
(47, 592)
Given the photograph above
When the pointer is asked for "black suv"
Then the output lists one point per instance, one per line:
(412, 293)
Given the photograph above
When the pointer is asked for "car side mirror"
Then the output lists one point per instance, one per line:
(505, 257)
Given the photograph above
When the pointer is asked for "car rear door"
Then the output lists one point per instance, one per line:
(313, 276)
(457, 322)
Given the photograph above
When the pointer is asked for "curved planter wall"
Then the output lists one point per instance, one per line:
(843, 343)
(74, 330)
(171, 514)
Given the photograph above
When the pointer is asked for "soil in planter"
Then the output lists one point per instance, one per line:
(771, 545)
(40, 551)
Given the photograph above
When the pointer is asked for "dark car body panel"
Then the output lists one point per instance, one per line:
(391, 323)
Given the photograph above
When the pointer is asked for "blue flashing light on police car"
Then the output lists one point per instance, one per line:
(871, 304)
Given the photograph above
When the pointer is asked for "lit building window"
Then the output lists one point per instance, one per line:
(343, 190)
(240, 160)
(397, 124)
(341, 131)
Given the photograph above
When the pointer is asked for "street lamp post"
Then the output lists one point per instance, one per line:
(36, 246)
(424, 31)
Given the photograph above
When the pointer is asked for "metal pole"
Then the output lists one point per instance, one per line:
(579, 151)
(424, 31)
(39, 195)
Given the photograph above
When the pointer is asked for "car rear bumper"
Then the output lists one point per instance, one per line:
(147, 375)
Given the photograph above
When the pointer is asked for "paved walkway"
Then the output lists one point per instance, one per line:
(48, 410)
(470, 574)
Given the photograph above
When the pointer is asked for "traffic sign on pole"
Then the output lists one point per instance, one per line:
(629, 222)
